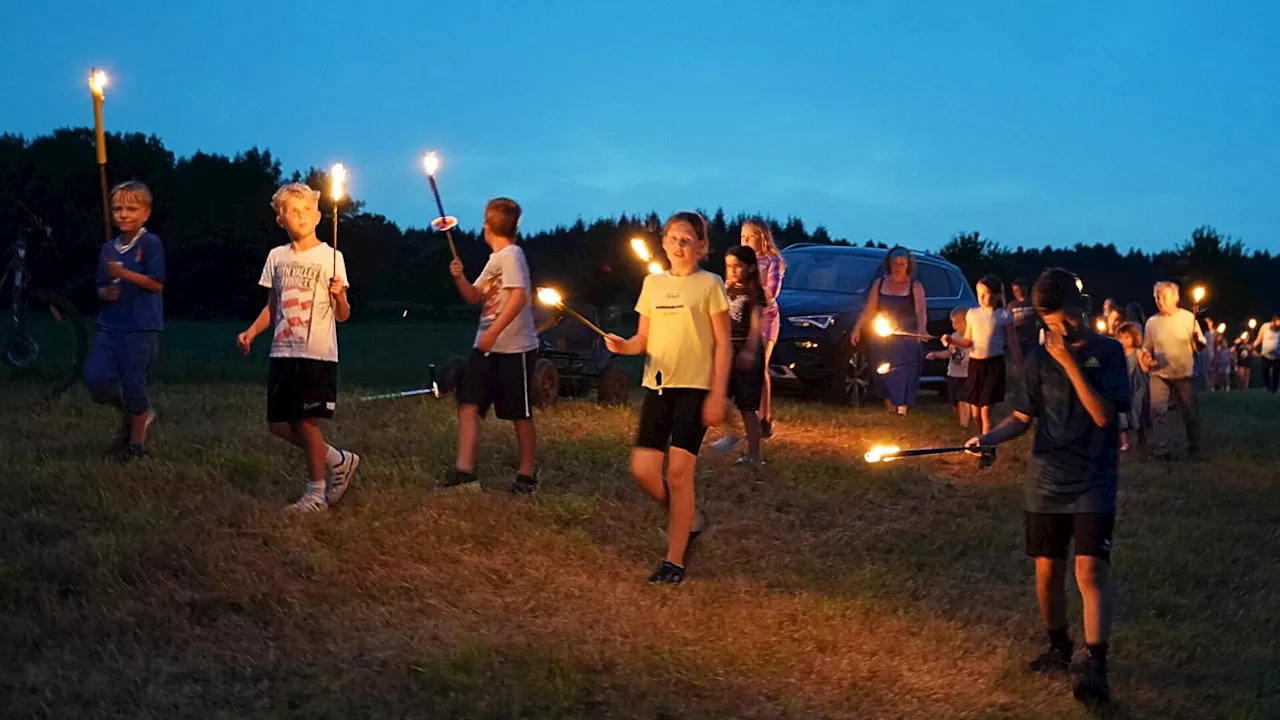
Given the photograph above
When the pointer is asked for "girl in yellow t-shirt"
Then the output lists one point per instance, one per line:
(684, 333)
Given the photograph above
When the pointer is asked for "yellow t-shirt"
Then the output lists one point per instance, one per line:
(681, 342)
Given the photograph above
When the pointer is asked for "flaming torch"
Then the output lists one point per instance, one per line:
(1197, 296)
(884, 328)
(444, 223)
(1101, 326)
(1253, 323)
(883, 369)
(548, 296)
(337, 189)
(97, 86)
(887, 453)
(641, 249)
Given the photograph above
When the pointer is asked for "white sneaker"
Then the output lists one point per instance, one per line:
(308, 503)
(340, 476)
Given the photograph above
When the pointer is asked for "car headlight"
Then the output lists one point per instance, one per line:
(819, 321)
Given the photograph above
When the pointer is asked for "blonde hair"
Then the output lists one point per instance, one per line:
(766, 243)
(294, 191)
(502, 217)
(133, 189)
(700, 231)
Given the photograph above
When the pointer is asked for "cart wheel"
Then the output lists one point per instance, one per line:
(613, 388)
(451, 375)
(546, 384)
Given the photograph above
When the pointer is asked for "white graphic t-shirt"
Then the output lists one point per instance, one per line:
(302, 318)
(506, 270)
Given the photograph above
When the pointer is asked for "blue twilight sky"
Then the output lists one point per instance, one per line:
(1032, 121)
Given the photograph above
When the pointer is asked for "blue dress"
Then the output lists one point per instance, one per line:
(905, 355)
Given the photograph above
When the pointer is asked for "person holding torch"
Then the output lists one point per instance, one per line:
(1172, 337)
(499, 372)
(684, 334)
(1077, 386)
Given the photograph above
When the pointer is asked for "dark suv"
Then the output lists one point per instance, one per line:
(824, 292)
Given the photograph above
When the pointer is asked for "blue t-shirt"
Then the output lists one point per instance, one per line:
(1075, 463)
(135, 309)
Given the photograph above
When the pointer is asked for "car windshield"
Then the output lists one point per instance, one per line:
(835, 272)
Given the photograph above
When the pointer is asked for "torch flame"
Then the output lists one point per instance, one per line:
(881, 453)
(1101, 325)
(338, 181)
(882, 326)
(655, 268)
(431, 163)
(641, 249)
(97, 82)
(1253, 323)
(1079, 285)
(1244, 335)
(1197, 293)
(884, 369)
(1222, 328)
(548, 296)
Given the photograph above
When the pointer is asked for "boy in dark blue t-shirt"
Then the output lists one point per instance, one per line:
(130, 279)
(1077, 386)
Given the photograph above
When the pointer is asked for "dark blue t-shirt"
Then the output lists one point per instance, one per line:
(136, 309)
(1075, 463)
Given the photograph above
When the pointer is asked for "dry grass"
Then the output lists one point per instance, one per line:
(174, 588)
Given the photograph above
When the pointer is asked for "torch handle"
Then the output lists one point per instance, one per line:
(435, 192)
(106, 202)
(582, 320)
(406, 393)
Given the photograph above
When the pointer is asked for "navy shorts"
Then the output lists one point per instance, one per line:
(1050, 534)
(119, 365)
(503, 381)
(300, 388)
(672, 418)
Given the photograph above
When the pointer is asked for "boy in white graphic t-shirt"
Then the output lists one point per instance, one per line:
(307, 283)
(500, 369)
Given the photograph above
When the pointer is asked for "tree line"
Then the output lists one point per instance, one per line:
(213, 213)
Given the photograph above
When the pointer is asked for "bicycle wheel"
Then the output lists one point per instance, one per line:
(51, 344)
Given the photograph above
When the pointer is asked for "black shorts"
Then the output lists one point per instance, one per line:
(501, 380)
(672, 419)
(986, 381)
(300, 388)
(1049, 534)
(956, 391)
(746, 387)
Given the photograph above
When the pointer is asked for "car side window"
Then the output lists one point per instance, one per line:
(938, 281)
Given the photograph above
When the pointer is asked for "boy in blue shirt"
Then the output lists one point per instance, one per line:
(130, 280)
(1077, 386)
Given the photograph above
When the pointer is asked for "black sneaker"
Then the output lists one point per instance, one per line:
(130, 453)
(668, 573)
(525, 484)
(766, 429)
(1054, 660)
(459, 481)
(1091, 686)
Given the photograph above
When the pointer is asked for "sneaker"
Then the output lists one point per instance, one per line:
(459, 481)
(668, 573)
(526, 484)
(725, 445)
(1091, 686)
(902, 410)
(749, 462)
(340, 476)
(1054, 660)
(766, 429)
(308, 503)
(131, 452)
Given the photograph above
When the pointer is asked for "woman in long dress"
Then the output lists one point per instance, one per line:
(900, 299)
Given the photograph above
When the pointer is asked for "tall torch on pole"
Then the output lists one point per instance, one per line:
(97, 86)
(431, 163)
(337, 189)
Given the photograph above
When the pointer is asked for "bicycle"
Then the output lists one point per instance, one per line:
(44, 340)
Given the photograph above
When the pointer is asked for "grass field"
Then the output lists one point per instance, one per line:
(832, 589)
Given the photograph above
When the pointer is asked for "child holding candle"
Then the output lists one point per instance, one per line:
(957, 366)
(130, 281)
(988, 332)
(1077, 387)
(307, 286)
(684, 334)
(746, 318)
(500, 369)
